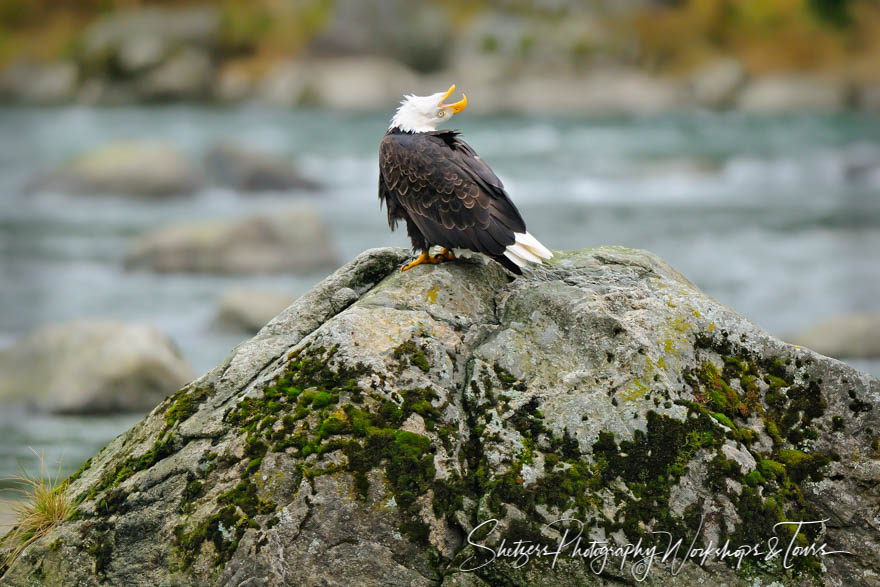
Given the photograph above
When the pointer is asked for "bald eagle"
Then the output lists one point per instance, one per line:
(447, 195)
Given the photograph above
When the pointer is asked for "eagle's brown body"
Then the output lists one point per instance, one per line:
(447, 195)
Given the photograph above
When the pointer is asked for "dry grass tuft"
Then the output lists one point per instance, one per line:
(44, 503)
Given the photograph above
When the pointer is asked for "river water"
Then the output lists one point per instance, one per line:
(778, 218)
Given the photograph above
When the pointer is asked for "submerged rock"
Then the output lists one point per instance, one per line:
(125, 169)
(365, 432)
(89, 367)
(249, 170)
(294, 240)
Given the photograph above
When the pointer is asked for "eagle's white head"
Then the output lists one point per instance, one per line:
(424, 113)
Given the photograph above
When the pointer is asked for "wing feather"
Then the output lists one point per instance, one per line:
(452, 195)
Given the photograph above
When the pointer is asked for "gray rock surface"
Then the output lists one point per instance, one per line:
(293, 240)
(365, 432)
(251, 170)
(140, 169)
(91, 367)
(248, 310)
(853, 336)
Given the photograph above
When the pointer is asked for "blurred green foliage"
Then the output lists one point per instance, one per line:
(766, 35)
(835, 12)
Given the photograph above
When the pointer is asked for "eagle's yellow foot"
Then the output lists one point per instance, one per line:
(423, 258)
(444, 255)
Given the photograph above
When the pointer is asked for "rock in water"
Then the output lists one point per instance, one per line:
(91, 367)
(293, 240)
(125, 169)
(253, 171)
(366, 431)
(248, 310)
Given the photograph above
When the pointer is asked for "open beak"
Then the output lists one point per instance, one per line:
(457, 106)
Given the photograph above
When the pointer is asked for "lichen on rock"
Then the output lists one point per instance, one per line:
(366, 433)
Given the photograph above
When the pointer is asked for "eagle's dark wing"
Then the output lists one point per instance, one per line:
(448, 192)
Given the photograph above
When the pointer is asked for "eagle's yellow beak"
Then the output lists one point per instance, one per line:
(457, 106)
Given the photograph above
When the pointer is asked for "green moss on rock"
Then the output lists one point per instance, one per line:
(224, 529)
(410, 352)
(184, 404)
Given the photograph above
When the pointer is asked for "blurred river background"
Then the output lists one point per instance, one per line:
(772, 210)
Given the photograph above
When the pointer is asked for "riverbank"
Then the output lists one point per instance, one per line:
(362, 56)
(367, 84)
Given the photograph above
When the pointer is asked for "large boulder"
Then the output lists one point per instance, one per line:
(248, 310)
(140, 169)
(251, 170)
(365, 434)
(91, 367)
(293, 240)
(853, 336)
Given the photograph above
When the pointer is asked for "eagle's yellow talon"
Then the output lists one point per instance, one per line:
(423, 258)
(444, 255)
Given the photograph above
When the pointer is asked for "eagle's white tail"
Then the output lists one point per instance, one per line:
(526, 249)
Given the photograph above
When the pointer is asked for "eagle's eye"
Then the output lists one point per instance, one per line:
(441, 113)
